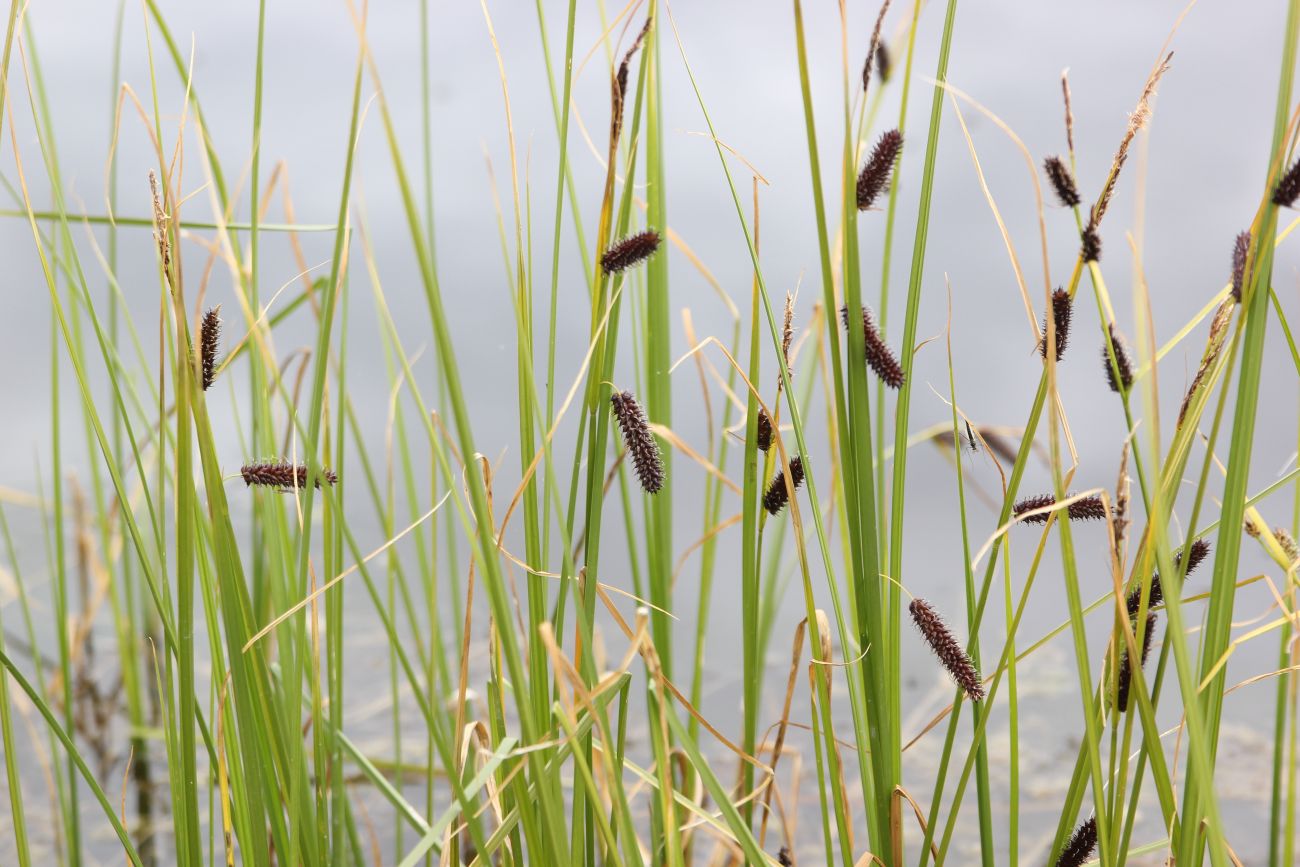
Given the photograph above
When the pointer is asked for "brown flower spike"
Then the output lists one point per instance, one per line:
(945, 646)
(1062, 305)
(1080, 845)
(1121, 361)
(1062, 181)
(763, 436)
(209, 338)
(640, 443)
(282, 474)
(1240, 250)
(875, 174)
(1125, 667)
(1090, 246)
(1197, 553)
(1288, 188)
(777, 496)
(880, 357)
(629, 251)
(1090, 508)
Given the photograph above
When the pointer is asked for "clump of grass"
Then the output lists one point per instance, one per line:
(945, 646)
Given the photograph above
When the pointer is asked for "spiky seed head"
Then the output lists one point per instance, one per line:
(1196, 554)
(1062, 305)
(763, 436)
(630, 251)
(945, 646)
(1288, 188)
(1080, 845)
(1058, 173)
(874, 177)
(884, 63)
(1240, 252)
(640, 442)
(1089, 508)
(880, 358)
(209, 341)
(776, 496)
(1125, 677)
(1122, 361)
(1090, 244)
(282, 474)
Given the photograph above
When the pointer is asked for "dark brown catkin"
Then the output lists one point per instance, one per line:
(763, 437)
(1090, 244)
(1199, 550)
(1062, 305)
(1090, 508)
(776, 496)
(945, 646)
(209, 338)
(640, 443)
(1121, 361)
(282, 474)
(1240, 250)
(1080, 845)
(1125, 666)
(1288, 188)
(784, 858)
(884, 63)
(629, 251)
(1058, 173)
(875, 173)
(880, 358)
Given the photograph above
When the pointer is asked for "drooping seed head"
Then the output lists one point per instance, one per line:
(1288, 188)
(880, 358)
(1062, 305)
(1196, 554)
(1125, 677)
(209, 340)
(629, 251)
(1058, 173)
(1089, 508)
(1240, 252)
(951, 654)
(777, 495)
(282, 474)
(874, 177)
(1080, 845)
(1121, 361)
(639, 441)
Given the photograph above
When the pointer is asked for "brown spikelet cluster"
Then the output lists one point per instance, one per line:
(1121, 361)
(1062, 305)
(1058, 173)
(787, 332)
(618, 88)
(1090, 508)
(1196, 554)
(640, 443)
(1288, 188)
(1250, 528)
(282, 474)
(1125, 666)
(880, 357)
(1136, 121)
(161, 220)
(1213, 348)
(209, 339)
(884, 63)
(874, 48)
(945, 646)
(629, 251)
(763, 437)
(874, 177)
(1090, 244)
(1069, 113)
(777, 495)
(1080, 845)
(784, 858)
(1287, 542)
(1240, 250)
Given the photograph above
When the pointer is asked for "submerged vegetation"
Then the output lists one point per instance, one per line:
(545, 696)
